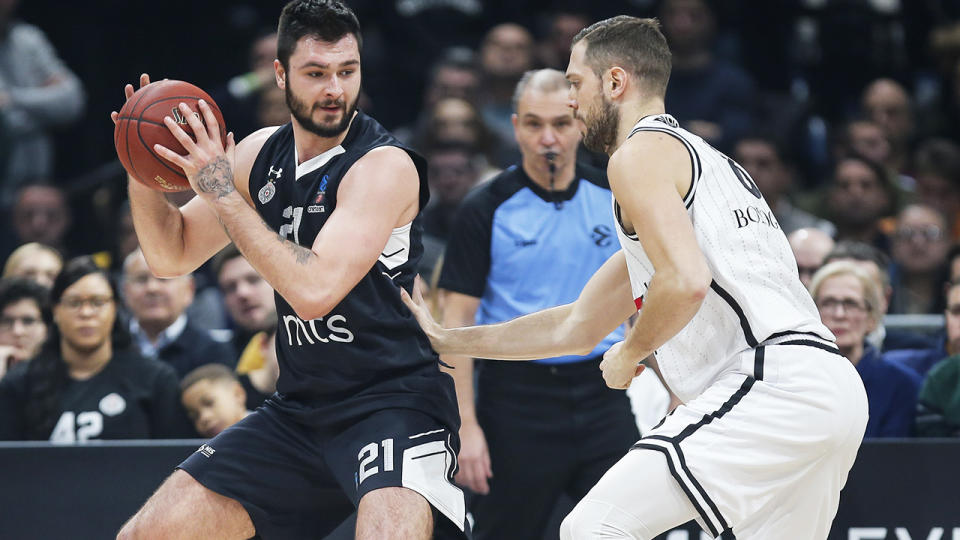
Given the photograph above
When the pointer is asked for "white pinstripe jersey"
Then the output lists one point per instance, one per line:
(755, 295)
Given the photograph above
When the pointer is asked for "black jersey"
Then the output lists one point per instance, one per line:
(132, 397)
(368, 353)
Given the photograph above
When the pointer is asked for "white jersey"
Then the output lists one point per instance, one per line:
(755, 296)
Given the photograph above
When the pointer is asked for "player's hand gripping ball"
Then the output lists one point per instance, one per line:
(139, 126)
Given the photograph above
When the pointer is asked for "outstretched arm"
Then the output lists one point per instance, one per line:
(574, 328)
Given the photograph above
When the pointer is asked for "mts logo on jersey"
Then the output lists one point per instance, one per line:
(334, 328)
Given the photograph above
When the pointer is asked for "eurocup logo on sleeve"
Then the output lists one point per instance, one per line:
(317, 207)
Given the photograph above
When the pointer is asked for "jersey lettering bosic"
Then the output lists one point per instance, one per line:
(368, 353)
(756, 294)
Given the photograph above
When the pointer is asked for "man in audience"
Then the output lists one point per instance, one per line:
(887, 103)
(160, 326)
(249, 298)
(919, 249)
(766, 162)
(809, 246)
(938, 414)
(708, 96)
(858, 197)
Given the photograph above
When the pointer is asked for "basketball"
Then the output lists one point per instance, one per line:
(140, 126)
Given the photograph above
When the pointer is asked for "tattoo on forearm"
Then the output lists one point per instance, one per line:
(217, 177)
(302, 254)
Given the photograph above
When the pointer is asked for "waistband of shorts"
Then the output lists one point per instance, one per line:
(589, 366)
(757, 365)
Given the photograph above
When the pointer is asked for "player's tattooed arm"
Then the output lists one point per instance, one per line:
(301, 254)
(216, 177)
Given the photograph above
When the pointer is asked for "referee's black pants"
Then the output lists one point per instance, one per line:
(550, 429)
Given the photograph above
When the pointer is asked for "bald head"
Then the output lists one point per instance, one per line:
(541, 81)
(810, 246)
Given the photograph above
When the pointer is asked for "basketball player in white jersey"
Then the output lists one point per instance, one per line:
(772, 415)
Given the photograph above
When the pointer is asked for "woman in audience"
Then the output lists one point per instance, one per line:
(35, 262)
(24, 316)
(848, 301)
(87, 381)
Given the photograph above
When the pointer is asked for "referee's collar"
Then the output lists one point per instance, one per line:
(546, 194)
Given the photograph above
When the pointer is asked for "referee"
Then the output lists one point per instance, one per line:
(526, 240)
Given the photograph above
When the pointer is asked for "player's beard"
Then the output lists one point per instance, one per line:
(602, 126)
(303, 113)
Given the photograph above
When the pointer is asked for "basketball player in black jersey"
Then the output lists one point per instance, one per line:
(326, 208)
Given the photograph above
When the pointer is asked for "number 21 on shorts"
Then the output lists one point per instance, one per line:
(368, 455)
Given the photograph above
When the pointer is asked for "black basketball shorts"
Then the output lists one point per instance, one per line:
(298, 481)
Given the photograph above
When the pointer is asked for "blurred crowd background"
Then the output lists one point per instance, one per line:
(846, 113)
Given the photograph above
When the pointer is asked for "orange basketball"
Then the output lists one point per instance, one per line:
(140, 126)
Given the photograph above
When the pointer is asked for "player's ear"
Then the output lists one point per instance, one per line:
(280, 74)
(614, 82)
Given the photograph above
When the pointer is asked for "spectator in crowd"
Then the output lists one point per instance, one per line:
(939, 410)
(213, 398)
(454, 120)
(34, 261)
(240, 98)
(453, 75)
(810, 246)
(858, 198)
(159, 324)
(708, 96)
(922, 360)
(38, 93)
(863, 137)
(562, 27)
(41, 214)
(88, 381)
(452, 173)
(271, 107)
(506, 53)
(887, 103)
(530, 238)
(848, 301)
(936, 170)
(919, 249)
(876, 264)
(248, 297)
(767, 163)
(24, 316)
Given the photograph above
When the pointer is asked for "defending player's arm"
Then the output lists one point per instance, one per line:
(575, 328)
(651, 200)
(379, 193)
(474, 458)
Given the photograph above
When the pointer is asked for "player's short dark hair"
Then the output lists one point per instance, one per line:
(208, 372)
(635, 44)
(327, 20)
(13, 290)
(225, 255)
